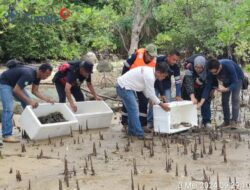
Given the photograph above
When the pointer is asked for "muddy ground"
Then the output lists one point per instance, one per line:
(43, 163)
(212, 158)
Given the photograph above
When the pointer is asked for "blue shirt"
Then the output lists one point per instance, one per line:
(20, 75)
(230, 74)
(165, 84)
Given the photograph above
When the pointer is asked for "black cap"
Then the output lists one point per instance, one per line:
(88, 66)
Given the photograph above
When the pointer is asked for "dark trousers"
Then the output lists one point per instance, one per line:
(75, 90)
(225, 98)
(143, 106)
(206, 112)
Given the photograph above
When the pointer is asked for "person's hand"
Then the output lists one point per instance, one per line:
(98, 98)
(33, 104)
(194, 100)
(50, 101)
(163, 99)
(165, 107)
(73, 107)
(222, 89)
(151, 103)
(199, 105)
(178, 98)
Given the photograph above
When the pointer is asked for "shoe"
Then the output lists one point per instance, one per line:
(147, 130)
(10, 139)
(234, 125)
(225, 124)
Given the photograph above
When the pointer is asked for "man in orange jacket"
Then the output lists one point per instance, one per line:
(141, 57)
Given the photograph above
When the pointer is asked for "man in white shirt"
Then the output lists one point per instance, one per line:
(140, 79)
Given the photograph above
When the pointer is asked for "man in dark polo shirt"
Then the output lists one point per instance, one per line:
(12, 84)
(69, 78)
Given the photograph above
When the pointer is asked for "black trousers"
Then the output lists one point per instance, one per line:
(143, 106)
(75, 90)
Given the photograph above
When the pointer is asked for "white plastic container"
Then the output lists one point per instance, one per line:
(36, 131)
(181, 112)
(95, 114)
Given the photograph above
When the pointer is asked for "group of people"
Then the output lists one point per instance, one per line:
(67, 81)
(145, 81)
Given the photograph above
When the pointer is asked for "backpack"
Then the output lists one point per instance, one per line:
(64, 67)
(60, 76)
(13, 63)
(245, 83)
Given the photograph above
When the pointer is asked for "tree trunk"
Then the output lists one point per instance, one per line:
(229, 52)
(135, 37)
(138, 22)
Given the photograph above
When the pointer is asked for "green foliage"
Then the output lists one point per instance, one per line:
(220, 27)
(242, 51)
(88, 28)
(247, 68)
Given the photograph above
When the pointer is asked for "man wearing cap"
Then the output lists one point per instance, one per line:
(141, 57)
(69, 78)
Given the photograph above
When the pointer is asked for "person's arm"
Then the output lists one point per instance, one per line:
(69, 96)
(20, 94)
(23, 81)
(158, 86)
(188, 84)
(127, 64)
(92, 91)
(149, 81)
(207, 89)
(91, 88)
(37, 93)
(233, 75)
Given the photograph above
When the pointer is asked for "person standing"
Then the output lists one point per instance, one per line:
(12, 84)
(141, 57)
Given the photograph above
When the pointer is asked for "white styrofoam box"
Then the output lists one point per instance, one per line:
(180, 112)
(36, 131)
(95, 114)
